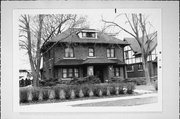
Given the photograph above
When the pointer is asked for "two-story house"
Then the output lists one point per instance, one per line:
(83, 52)
(133, 59)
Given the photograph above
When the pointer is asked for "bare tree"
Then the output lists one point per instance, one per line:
(139, 29)
(36, 30)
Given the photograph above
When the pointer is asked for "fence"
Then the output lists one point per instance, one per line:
(25, 82)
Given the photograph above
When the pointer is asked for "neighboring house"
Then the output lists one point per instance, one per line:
(83, 52)
(132, 54)
(24, 74)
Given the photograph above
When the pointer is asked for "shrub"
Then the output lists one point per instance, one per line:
(62, 94)
(117, 90)
(72, 94)
(23, 95)
(40, 95)
(137, 81)
(116, 80)
(130, 88)
(85, 80)
(51, 94)
(45, 92)
(72, 91)
(90, 93)
(86, 88)
(81, 94)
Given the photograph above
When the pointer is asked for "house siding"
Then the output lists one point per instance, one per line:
(80, 52)
(136, 73)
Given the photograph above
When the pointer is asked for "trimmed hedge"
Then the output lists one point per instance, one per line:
(62, 92)
(137, 81)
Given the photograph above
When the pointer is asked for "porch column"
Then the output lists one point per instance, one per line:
(110, 72)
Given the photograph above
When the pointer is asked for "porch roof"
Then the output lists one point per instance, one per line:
(99, 61)
(66, 62)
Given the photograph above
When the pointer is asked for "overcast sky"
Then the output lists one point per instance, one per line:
(94, 18)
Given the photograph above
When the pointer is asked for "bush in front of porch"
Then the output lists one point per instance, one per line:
(68, 92)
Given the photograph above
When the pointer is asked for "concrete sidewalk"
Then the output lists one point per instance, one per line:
(71, 103)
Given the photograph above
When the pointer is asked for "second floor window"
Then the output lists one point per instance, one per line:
(110, 52)
(69, 52)
(91, 52)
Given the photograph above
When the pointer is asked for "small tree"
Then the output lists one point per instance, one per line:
(139, 29)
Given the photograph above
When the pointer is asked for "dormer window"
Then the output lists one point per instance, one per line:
(88, 34)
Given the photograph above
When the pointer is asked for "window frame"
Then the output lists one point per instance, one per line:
(68, 73)
(91, 52)
(69, 53)
(117, 69)
(132, 70)
(109, 50)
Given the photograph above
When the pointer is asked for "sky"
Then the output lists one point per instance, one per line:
(94, 19)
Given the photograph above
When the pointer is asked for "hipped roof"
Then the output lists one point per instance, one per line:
(71, 36)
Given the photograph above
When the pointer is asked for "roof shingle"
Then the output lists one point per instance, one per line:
(70, 35)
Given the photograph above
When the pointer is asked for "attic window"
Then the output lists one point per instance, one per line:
(89, 34)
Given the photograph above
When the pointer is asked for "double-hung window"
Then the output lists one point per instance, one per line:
(91, 52)
(69, 52)
(110, 52)
(117, 71)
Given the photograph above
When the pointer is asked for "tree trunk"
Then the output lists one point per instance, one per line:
(146, 71)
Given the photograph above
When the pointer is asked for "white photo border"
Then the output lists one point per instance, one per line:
(53, 107)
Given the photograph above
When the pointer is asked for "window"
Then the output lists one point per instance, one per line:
(89, 34)
(116, 71)
(69, 52)
(70, 72)
(90, 70)
(140, 67)
(110, 52)
(64, 73)
(130, 68)
(76, 72)
(91, 52)
(126, 55)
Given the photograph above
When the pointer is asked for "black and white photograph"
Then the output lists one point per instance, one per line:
(95, 58)
(99, 59)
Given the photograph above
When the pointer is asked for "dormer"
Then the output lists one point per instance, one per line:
(88, 34)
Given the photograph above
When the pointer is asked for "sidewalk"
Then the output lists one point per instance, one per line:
(146, 101)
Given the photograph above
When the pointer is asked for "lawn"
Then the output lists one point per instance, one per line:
(127, 102)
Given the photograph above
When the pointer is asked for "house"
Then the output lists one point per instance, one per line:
(83, 52)
(132, 54)
(24, 74)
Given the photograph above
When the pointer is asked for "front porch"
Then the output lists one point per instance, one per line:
(102, 71)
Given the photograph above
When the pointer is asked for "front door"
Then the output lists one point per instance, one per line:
(98, 72)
